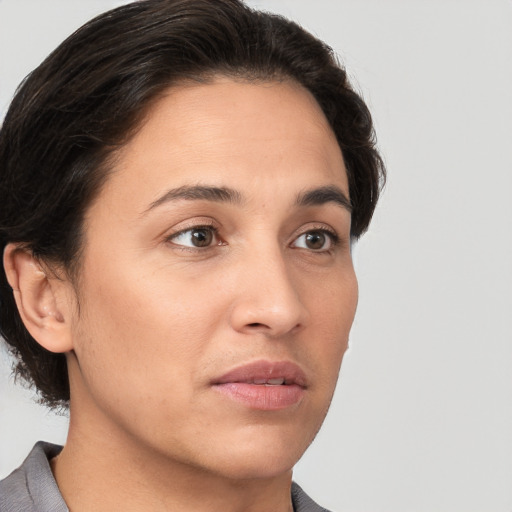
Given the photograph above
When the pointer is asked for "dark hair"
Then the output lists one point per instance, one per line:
(90, 94)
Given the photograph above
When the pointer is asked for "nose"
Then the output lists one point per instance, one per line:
(268, 299)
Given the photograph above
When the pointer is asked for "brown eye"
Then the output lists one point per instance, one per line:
(201, 237)
(195, 237)
(316, 240)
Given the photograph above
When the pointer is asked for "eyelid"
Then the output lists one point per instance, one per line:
(198, 223)
(191, 226)
(322, 228)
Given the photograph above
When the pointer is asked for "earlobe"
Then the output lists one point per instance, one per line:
(40, 298)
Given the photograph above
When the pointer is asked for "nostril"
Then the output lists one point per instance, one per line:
(255, 325)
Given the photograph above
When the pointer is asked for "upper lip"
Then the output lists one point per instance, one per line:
(260, 372)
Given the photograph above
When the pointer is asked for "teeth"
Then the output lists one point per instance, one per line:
(275, 382)
(269, 382)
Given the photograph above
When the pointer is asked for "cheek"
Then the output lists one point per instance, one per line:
(332, 301)
(332, 311)
(139, 337)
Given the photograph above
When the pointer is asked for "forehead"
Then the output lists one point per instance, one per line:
(229, 133)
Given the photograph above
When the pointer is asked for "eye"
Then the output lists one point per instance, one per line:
(316, 240)
(199, 236)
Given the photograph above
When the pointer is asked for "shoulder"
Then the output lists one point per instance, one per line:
(32, 487)
(302, 502)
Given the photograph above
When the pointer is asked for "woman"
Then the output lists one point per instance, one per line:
(181, 185)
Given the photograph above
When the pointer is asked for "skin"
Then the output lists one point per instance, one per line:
(159, 318)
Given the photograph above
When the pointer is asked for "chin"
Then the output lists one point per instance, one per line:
(267, 467)
(260, 458)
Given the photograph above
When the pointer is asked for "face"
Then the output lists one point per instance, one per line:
(217, 289)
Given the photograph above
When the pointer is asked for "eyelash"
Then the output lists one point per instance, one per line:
(332, 235)
(207, 227)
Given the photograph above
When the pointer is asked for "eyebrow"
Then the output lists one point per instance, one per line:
(199, 192)
(323, 195)
(313, 197)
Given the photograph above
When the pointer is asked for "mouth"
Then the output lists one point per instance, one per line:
(264, 385)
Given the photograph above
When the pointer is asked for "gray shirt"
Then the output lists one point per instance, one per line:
(32, 488)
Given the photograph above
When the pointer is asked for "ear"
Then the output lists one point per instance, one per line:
(43, 300)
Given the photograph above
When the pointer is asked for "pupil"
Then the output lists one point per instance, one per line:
(202, 237)
(315, 240)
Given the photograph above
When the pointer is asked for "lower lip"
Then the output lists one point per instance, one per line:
(262, 397)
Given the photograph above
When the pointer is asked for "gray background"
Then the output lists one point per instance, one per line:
(422, 418)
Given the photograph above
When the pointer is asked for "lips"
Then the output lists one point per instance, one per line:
(264, 385)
